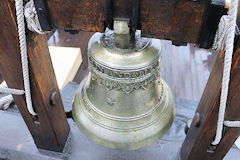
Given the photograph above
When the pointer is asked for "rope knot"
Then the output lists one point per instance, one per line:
(219, 43)
(30, 13)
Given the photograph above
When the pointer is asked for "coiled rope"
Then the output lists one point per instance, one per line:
(33, 25)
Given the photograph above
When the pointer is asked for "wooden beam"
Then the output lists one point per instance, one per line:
(178, 20)
(50, 128)
(197, 144)
(1, 78)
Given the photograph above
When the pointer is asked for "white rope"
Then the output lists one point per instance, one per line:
(6, 101)
(219, 43)
(33, 25)
(232, 123)
(227, 38)
(4, 89)
(23, 50)
(30, 13)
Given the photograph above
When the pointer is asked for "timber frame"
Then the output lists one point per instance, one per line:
(181, 21)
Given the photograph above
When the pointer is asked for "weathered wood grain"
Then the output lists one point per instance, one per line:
(50, 128)
(197, 143)
(178, 20)
(87, 15)
(1, 78)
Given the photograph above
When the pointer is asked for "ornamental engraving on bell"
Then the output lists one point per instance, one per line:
(123, 103)
(122, 80)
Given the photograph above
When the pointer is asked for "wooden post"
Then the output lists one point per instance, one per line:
(50, 128)
(197, 145)
(1, 78)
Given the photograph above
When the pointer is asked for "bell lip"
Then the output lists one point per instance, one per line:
(133, 145)
(145, 143)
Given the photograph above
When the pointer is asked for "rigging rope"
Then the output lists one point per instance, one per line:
(33, 25)
(224, 40)
(7, 100)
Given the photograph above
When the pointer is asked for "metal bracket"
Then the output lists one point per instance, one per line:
(134, 18)
(178, 44)
(108, 13)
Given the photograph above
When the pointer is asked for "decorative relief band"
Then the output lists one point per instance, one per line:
(125, 87)
(121, 74)
(125, 81)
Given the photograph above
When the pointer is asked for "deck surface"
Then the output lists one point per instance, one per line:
(20, 146)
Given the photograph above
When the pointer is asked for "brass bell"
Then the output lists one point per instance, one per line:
(123, 103)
